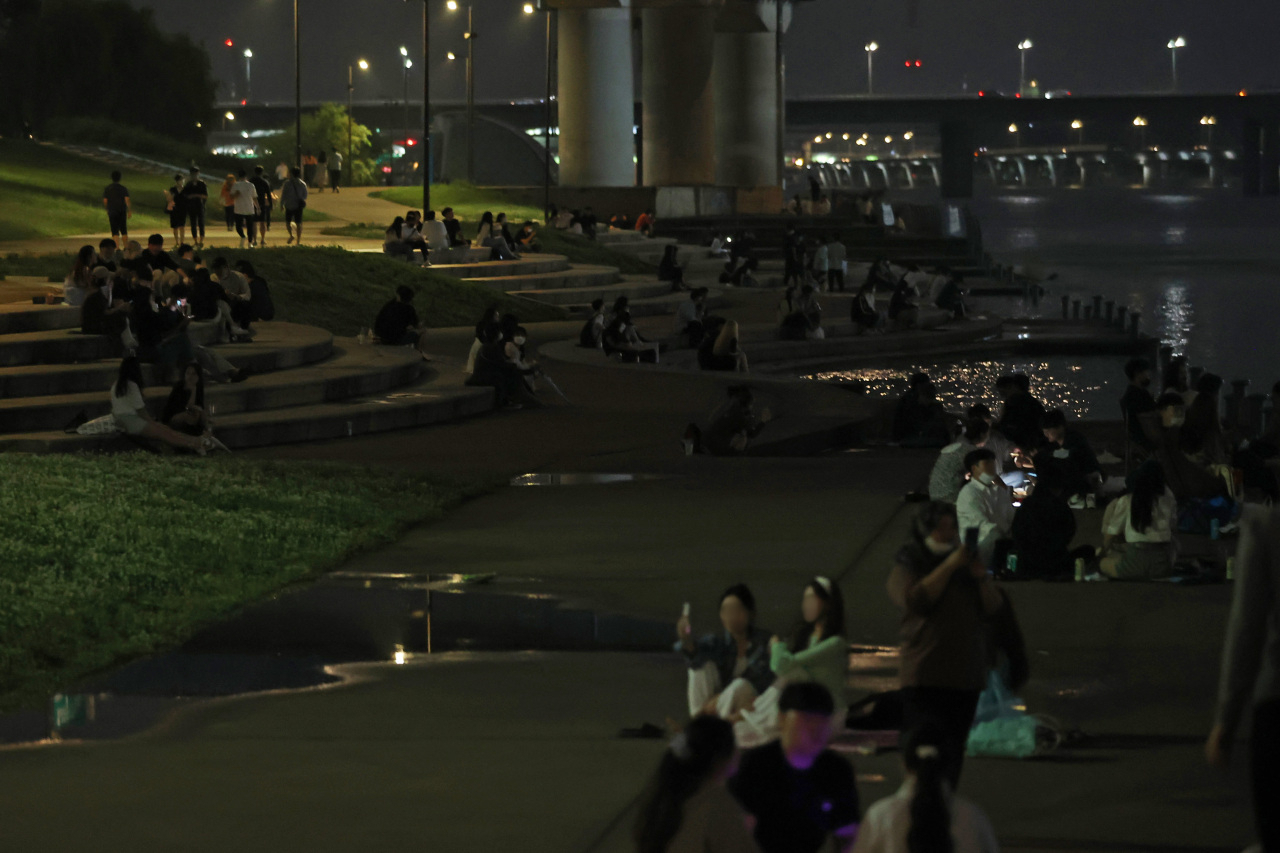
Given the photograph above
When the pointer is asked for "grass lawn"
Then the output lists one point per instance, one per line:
(338, 290)
(468, 202)
(111, 557)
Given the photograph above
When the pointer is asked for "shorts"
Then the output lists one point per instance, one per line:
(264, 215)
(1142, 561)
(119, 222)
(131, 423)
(177, 217)
(293, 216)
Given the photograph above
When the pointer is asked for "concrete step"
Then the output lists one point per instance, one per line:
(616, 238)
(654, 306)
(531, 264)
(644, 289)
(579, 275)
(68, 346)
(438, 396)
(351, 371)
(277, 346)
(17, 317)
(641, 245)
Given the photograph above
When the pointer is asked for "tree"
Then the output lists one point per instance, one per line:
(93, 58)
(326, 129)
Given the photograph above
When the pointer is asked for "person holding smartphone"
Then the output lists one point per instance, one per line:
(946, 594)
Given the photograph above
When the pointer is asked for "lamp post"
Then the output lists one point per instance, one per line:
(226, 117)
(408, 64)
(1023, 47)
(297, 87)
(351, 88)
(1141, 124)
(470, 36)
(248, 84)
(870, 48)
(546, 116)
(1173, 46)
(1078, 127)
(1017, 132)
(1207, 122)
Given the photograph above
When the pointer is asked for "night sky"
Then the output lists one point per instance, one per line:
(1086, 46)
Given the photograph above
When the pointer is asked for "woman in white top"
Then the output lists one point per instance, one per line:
(924, 816)
(129, 411)
(76, 286)
(1144, 518)
(490, 236)
(686, 808)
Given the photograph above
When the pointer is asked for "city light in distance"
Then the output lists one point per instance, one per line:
(1013, 128)
(229, 116)
(1139, 121)
(452, 5)
(451, 56)
(909, 135)
(404, 51)
(1208, 120)
(363, 64)
(1077, 124)
(845, 137)
(528, 8)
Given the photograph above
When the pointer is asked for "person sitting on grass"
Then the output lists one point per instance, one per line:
(129, 411)
(1143, 519)
(1044, 526)
(669, 268)
(397, 324)
(592, 334)
(948, 475)
(1021, 414)
(488, 236)
(686, 806)
(185, 411)
(76, 286)
(502, 229)
(1186, 477)
(730, 668)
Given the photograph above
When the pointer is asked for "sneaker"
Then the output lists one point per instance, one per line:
(241, 375)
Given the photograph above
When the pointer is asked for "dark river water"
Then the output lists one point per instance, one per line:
(1203, 270)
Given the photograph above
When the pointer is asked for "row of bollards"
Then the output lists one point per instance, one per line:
(1114, 316)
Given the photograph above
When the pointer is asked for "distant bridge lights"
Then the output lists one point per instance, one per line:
(1174, 45)
(870, 48)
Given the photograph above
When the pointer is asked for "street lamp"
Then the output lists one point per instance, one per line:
(408, 64)
(1078, 127)
(470, 36)
(297, 86)
(226, 117)
(1141, 124)
(1013, 128)
(248, 85)
(363, 65)
(1023, 47)
(1173, 46)
(1207, 122)
(871, 49)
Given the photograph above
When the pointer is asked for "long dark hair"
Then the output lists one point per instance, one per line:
(130, 371)
(930, 832)
(702, 748)
(84, 259)
(487, 216)
(832, 615)
(396, 225)
(1148, 486)
(181, 384)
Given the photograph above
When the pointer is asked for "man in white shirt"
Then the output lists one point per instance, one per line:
(293, 198)
(986, 503)
(435, 232)
(244, 197)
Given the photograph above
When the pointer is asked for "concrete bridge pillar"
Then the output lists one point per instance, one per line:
(595, 95)
(937, 179)
(1021, 163)
(677, 91)
(1052, 163)
(908, 174)
(1269, 161)
(1082, 163)
(957, 159)
(1251, 157)
(746, 109)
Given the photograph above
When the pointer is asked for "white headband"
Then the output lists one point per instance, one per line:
(824, 583)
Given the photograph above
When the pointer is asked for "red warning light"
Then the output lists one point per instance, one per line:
(411, 142)
(917, 63)
(229, 43)
(981, 94)
(907, 63)
(243, 102)
(1018, 95)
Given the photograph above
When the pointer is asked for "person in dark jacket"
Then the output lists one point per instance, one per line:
(730, 668)
(1044, 527)
(1021, 414)
(398, 325)
(1079, 465)
(734, 424)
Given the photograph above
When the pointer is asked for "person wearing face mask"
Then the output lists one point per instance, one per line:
(947, 477)
(730, 668)
(945, 594)
(1143, 519)
(986, 503)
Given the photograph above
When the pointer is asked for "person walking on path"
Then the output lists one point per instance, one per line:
(335, 170)
(266, 201)
(945, 594)
(293, 198)
(115, 198)
(228, 200)
(322, 170)
(177, 210)
(194, 195)
(245, 199)
(1251, 668)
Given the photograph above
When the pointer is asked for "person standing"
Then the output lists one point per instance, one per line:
(266, 201)
(228, 201)
(115, 198)
(800, 793)
(245, 200)
(1251, 668)
(322, 170)
(194, 195)
(945, 594)
(177, 210)
(293, 198)
(1137, 401)
(309, 168)
(335, 170)
(282, 173)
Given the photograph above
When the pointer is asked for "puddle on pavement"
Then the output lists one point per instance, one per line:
(584, 479)
(294, 640)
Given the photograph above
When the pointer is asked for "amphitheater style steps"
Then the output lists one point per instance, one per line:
(306, 385)
(645, 288)
(577, 276)
(530, 264)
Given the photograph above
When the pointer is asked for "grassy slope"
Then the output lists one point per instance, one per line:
(338, 290)
(83, 587)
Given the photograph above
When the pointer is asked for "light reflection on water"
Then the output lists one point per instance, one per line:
(1177, 317)
(1088, 387)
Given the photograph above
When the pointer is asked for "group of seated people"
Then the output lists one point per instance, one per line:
(917, 298)
(434, 239)
(498, 359)
(781, 700)
(615, 334)
(581, 222)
